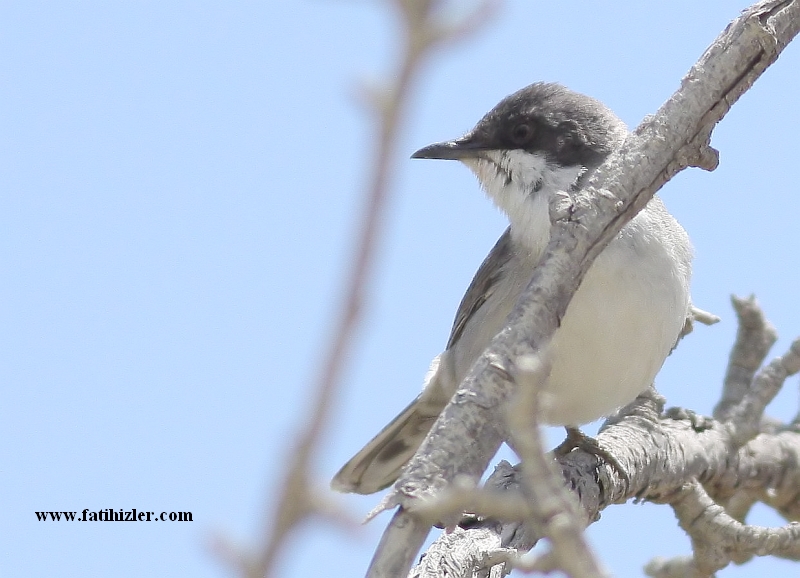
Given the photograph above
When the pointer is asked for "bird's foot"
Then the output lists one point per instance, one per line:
(576, 439)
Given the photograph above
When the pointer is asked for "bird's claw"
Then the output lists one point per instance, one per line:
(576, 439)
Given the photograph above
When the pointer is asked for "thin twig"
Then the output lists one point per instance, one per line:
(754, 339)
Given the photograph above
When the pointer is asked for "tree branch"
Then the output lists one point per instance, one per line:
(754, 339)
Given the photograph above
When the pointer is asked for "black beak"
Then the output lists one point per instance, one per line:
(463, 148)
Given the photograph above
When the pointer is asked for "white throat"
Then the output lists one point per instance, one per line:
(521, 185)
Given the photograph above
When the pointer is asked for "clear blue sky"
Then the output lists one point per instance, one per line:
(179, 185)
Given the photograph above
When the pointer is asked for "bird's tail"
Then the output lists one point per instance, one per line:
(379, 463)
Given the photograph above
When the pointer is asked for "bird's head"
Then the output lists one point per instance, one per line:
(539, 140)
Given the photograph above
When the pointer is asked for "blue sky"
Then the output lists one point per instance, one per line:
(179, 188)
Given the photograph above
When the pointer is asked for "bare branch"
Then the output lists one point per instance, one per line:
(679, 567)
(743, 402)
(661, 455)
(555, 513)
(402, 540)
(716, 536)
(462, 553)
(454, 501)
(754, 339)
(746, 417)
(704, 317)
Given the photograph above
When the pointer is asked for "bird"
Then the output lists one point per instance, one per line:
(623, 320)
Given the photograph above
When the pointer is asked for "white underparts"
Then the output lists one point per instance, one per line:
(520, 184)
(625, 316)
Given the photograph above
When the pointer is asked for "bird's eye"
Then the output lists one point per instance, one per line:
(521, 133)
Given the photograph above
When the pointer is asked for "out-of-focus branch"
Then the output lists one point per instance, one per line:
(425, 31)
(676, 137)
(554, 512)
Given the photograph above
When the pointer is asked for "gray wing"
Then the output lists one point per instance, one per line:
(379, 463)
(482, 286)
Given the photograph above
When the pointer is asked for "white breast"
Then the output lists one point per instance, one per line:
(621, 323)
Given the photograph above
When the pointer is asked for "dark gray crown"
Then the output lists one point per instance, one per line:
(569, 127)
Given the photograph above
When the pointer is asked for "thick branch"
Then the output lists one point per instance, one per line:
(659, 456)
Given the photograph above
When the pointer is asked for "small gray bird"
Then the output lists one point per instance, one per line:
(621, 323)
